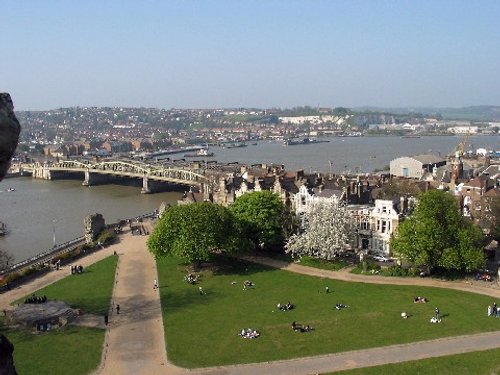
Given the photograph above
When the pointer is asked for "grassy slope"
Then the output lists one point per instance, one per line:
(70, 350)
(203, 330)
(90, 291)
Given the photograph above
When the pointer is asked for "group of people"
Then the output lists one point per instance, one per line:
(76, 269)
(484, 276)
(493, 310)
(249, 333)
(420, 300)
(286, 306)
(247, 284)
(296, 327)
(340, 306)
(35, 299)
(191, 279)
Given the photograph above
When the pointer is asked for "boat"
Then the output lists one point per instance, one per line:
(236, 145)
(3, 229)
(11, 189)
(203, 152)
(304, 141)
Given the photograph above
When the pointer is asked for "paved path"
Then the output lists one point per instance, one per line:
(480, 287)
(135, 343)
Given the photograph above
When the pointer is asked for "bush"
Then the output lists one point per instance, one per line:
(106, 236)
(9, 278)
(89, 246)
(367, 266)
(397, 270)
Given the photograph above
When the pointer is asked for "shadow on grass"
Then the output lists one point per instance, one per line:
(232, 266)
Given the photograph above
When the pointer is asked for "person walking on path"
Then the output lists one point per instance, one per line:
(155, 284)
(117, 309)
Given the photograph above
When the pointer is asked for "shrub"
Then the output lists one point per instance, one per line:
(106, 236)
(367, 266)
(88, 246)
(9, 278)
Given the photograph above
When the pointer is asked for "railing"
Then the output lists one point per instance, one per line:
(46, 255)
(62, 248)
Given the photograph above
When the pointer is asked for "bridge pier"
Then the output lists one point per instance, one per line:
(41, 172)
(92, 179)
(145, 185)
(86, 181)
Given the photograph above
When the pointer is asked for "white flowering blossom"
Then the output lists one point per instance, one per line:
(328, 228)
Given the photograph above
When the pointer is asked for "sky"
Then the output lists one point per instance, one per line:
(254, 53)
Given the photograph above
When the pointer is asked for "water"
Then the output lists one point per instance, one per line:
(31, 209)
(37, 207)
(354, 154)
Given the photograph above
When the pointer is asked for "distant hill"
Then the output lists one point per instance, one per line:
(473, 113)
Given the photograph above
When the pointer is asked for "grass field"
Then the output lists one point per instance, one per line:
(202, 330)
(69, 350)
(478, 363)
(89, 291)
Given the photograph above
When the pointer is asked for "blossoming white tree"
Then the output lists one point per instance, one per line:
(328, 228)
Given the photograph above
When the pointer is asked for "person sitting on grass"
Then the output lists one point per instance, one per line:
(306, 328)
(288, 306)
(340, 306)
(247, 284)
(420, 300)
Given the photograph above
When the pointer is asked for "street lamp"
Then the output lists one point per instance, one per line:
(54, 232)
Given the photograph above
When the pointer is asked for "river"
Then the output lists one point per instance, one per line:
(37, 209)
(355, 154)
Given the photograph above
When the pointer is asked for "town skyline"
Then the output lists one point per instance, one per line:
(223, 54)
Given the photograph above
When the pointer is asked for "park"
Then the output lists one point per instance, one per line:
(185, 297)
(202, 330)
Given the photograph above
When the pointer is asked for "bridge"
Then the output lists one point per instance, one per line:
(150, 173)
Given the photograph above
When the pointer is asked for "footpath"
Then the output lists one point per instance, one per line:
(135, 342)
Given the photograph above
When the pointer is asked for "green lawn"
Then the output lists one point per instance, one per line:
(69, 350)
(89, 291)
(478, 363)
(202, 330)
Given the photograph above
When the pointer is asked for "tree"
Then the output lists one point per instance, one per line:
(195, 232)
(262, 217)
(436, 235)
(328, 229)
(5, 260)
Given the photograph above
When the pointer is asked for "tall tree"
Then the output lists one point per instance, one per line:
(328, 228)
(436, 235)
(262, 216)
(5, 260)
(195, 232)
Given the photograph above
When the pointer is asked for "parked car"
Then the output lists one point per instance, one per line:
(381, 258)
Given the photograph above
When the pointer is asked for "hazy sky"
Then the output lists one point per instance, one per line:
(260, 53)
